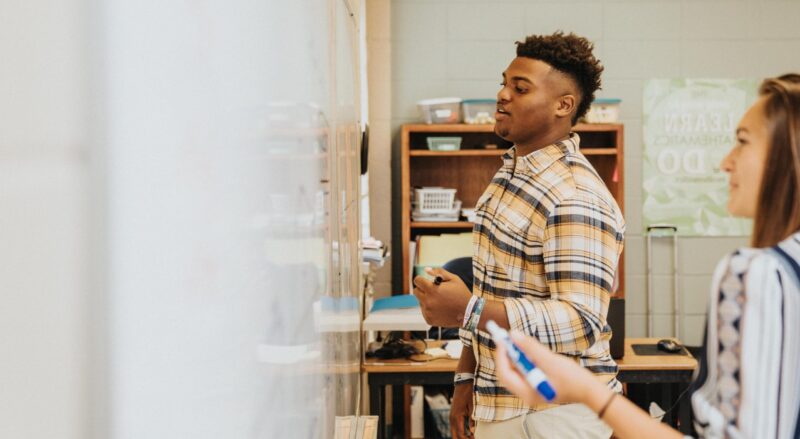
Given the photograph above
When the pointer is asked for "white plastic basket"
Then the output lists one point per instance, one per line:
(451, 215)
(435, 199)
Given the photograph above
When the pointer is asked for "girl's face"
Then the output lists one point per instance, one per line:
(745, 163)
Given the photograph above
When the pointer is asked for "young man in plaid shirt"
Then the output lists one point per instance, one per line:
(547, 241)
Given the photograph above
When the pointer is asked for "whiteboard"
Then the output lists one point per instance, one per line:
(230, 215)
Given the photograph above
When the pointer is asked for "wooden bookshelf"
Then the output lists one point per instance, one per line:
(471, 168)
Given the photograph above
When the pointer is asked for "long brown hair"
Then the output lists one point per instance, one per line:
(778, 211)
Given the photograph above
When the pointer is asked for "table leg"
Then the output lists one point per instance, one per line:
(665, 400)
(377, 399)
(685, 414)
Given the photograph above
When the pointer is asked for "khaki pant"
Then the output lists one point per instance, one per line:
(571, 421)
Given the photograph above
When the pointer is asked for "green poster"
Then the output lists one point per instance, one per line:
(688, 127)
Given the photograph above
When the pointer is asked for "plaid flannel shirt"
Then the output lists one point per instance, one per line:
(547, 240)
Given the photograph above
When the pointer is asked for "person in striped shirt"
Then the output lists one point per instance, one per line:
(547, 242)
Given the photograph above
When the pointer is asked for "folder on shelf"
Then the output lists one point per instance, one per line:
(459, 244)
(435, 251)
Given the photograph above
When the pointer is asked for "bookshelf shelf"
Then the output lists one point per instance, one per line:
(441, 225)
(599, 151)
(461, 153)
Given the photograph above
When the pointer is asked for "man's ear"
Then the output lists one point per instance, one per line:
(566, 105)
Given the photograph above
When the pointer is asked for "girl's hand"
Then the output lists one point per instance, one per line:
(571, 382)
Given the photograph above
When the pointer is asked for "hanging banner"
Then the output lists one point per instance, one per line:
(688, 127)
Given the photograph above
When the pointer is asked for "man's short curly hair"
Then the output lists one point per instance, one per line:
(569, 54)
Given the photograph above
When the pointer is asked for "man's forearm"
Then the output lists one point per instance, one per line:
(494, 311)
(466, 364)
(569, 326)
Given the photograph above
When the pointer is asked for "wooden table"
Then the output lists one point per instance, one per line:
(659, 378)
(670, 374)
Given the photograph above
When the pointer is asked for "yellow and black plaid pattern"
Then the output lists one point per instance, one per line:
(547, 240)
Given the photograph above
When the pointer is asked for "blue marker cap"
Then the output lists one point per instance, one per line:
(545, 389)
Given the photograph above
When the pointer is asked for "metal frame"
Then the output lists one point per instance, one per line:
(659, 231)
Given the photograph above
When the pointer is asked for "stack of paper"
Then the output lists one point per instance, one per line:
(396, 313)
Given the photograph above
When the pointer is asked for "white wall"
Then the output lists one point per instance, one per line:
(44, 227)
(379, 72)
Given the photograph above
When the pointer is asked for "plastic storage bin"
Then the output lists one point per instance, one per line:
(435, 199)
(603, 111)
(440, 110)
(444, 143)
(441, 216)
(479, 111)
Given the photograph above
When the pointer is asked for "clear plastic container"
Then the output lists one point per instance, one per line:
(603, 111)
(479, 111)
(444, 143)
(440, 110)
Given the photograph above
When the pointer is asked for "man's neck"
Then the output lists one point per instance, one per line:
(548, 139)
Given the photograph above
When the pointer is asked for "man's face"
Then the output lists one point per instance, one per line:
(527, 103)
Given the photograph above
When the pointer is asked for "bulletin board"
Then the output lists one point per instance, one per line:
(688, 127)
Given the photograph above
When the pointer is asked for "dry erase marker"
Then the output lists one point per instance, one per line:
(533, 375)
(437, 280)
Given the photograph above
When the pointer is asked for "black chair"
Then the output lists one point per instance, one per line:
(461, 267)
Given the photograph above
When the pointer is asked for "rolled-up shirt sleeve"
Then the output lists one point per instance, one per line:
(465, 336)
